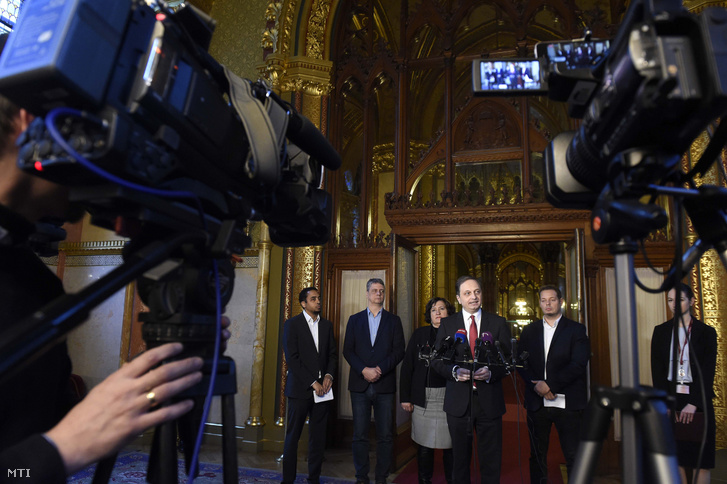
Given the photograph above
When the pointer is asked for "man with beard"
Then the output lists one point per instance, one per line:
(555, 381)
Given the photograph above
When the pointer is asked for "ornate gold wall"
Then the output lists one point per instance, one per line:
(237, 39)
(710, 282)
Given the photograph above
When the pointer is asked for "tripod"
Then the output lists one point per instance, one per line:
(643, 410)
(182, 300)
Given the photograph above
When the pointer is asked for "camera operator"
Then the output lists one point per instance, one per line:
(34, 435)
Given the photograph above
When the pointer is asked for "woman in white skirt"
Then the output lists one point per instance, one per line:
(422, 393)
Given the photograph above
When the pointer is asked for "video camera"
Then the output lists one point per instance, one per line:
(654, 88)
(119, 87)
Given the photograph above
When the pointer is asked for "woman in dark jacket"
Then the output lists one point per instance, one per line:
(696, 363)
(422, 393)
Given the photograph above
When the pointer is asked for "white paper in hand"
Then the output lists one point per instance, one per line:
(324, 398)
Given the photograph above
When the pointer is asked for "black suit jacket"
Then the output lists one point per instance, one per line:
(457, 397)
(36, 397)
(415, 376)
(704, 345)
(567, 363)
(386, 353)
(305, 363)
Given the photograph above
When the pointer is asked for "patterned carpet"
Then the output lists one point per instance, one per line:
(130, 468)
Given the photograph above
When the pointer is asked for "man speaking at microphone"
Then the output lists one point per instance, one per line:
(555, 381)
(485, 409)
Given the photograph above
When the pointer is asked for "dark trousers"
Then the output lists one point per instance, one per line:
(489, 445)
(568, 425)
(383, 405)
(425, 464)
(298, 411)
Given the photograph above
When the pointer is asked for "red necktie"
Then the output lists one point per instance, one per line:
(473, 338)
(473, 335)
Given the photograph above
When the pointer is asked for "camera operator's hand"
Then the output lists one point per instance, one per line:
(124, 405)
(225, 335)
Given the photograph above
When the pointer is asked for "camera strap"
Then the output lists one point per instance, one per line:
(263, 160)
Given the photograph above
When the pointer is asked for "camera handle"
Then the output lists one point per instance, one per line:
(643, 410)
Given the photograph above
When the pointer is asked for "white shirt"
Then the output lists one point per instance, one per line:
(313, 326)
(684, 370)
(548, 332)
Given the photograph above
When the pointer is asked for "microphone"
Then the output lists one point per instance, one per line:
(513, 345)
(444, 346)
(478, 349)
(485, 340)
(425, 353)
(461, 337)
(502, 357)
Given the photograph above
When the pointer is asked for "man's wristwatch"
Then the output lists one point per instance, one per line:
(454, 372)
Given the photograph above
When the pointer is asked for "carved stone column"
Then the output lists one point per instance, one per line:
(261, 314)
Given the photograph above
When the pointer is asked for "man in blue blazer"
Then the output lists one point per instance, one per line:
(312, 359)
(555, 381)
(373, 346)
(481, 405)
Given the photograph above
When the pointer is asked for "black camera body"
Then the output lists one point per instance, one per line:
(151, 106)
(655, 87)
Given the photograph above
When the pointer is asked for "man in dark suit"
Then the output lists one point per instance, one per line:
(555, 381)
(312, 358)
(373, 346)
(480, 406)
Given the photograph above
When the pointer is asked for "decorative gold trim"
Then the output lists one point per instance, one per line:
(298, 74)
(127, 322)
(93, 247)
(255, 422)
(286, 26)
(315, 36)
(697, 6)
(383, 158)
(467, 215)
(270, 35)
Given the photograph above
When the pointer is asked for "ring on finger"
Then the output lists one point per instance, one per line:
(151, 397)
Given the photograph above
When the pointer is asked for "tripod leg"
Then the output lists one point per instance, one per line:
(162, 467)
(229, 443)
(659, 443)
(596, 420)
(104, 469)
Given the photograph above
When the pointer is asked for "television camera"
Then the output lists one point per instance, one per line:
(134, 92)
(161, 143)
(661, 82)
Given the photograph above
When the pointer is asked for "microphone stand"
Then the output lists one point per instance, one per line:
(470, 362)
